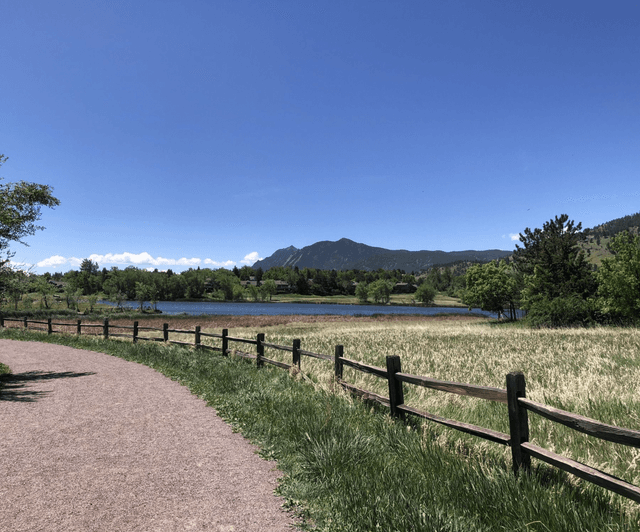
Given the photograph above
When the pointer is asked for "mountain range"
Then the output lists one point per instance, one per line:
(346, 254)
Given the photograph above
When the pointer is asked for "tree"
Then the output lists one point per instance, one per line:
(558, 282)
(362, 292)
(553, 261)
(254, 292)
(425, 293)
(492, 287)
(45, 289)
(143, 293)
(20, 205)
(380, 291)
(88, 278)
(72, 295)
(619, 278)
(269, 288)
(15, 286)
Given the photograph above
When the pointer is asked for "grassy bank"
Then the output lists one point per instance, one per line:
(349, 467)
(441, 300)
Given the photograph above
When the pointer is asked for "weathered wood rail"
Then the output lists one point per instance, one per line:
(514, 396)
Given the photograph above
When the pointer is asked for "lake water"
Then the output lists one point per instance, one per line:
(274, 309)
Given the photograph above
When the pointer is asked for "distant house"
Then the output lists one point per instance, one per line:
(58, 284)
(283, 287)
(404, 288)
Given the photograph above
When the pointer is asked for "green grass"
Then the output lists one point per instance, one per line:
(4, 370)
(350, 467)
(592, 372)
(441, 299)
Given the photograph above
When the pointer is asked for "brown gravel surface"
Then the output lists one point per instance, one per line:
(91, 442)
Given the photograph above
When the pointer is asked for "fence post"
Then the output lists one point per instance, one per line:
(225, 342)
(79, 329)
(260, 350)
(105, 328)
(26, 326)
(337, 363)
(135, 332)
(1, 321)
(296, 353)
(197, 336)
(165, 332)
(396, 393)
(518, 421)
(49, 327)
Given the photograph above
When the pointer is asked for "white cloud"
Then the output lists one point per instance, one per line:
(58, 260)
(251, 258)
(515, 237)
(218, 264)
(142, 260)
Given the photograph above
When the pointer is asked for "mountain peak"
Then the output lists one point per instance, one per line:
(345, 254)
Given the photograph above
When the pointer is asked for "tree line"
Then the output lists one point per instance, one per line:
(550, 278)
(90, 282)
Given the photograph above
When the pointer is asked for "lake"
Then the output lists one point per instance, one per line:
(274, 309)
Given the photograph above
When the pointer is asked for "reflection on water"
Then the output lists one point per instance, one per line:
(275, 309)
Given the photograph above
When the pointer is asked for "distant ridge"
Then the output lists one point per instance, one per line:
(630, 222)
(346, 254)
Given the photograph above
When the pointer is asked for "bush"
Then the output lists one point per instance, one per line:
(425, 293)
(562, 312)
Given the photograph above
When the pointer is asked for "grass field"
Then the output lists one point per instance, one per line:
(592, 372)
(342, 466)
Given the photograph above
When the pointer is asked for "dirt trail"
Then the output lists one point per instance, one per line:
(90, 442)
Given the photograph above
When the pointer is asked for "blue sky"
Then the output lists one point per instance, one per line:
(212, 133)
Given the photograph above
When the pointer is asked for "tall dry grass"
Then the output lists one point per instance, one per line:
(592, 372)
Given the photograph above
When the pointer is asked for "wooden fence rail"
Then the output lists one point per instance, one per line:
(514, 396)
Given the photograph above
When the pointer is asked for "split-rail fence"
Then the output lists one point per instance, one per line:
(513, 396)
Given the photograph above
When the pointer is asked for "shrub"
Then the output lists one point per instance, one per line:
(566, 311)
(425, 293)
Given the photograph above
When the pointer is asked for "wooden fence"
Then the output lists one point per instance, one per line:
(513, 396)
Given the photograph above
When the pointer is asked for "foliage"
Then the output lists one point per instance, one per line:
(554, 267)
(269, 288)
(553, 262)
(144, 292)
(45, 289)
(20, 205)
(380, 291)
(228, 284)
(362, 292)
(619, 278)
(14, 284)
(492, 287)
(562, 311)
(72, 295)
(425, 293)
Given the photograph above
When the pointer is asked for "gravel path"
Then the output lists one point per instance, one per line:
(92, 442)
